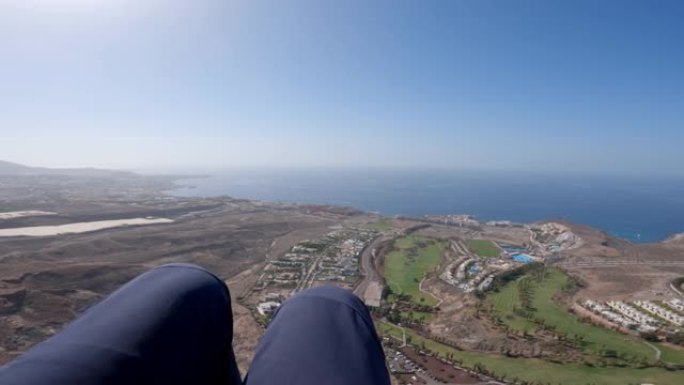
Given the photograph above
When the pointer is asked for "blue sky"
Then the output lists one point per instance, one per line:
(524, 85)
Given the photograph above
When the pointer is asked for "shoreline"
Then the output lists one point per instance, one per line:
(195, 191)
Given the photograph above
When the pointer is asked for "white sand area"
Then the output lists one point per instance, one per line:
(19, 214)
(81, 227)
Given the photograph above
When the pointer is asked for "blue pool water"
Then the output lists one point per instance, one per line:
(512, 249)
(522, 258)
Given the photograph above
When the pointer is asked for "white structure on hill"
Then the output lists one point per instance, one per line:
(267, 308)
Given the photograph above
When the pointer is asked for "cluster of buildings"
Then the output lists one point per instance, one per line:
(554, 237)
(643, 316)
(472, 273)
(460, 220)
(676, 304)
(333, 259)
(499, 223)
(270, 302)
(469, 274)
(267, 308)
(617, 314)
(343, 264)
(661, 312)
(643, 321)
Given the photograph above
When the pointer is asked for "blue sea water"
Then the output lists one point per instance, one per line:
(640, 209)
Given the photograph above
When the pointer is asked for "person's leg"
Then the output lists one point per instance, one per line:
(171, 325)
(321, 336)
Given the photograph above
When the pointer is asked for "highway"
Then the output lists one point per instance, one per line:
(608, 263)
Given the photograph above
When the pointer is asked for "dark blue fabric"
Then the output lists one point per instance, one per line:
(173, 326)
(322, 336)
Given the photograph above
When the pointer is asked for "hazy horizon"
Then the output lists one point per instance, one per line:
(186, 172)
(586, 87)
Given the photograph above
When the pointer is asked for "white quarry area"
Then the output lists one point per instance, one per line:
(81, 227)
(20, 214)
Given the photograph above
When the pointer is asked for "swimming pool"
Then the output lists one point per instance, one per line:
(524, 258)
(513, 249)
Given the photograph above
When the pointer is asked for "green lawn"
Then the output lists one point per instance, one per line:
(543, 372)
(483, 248)
(383, 225)
(506, 302)
(674, 355)
(508, 307)
(406, 266)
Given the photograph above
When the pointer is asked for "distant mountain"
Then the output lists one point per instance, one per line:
(14, 169)
(9, 168)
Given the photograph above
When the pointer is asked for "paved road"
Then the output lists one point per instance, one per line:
(370, 288)
(600, 263)
(673, 288)
(657, 351)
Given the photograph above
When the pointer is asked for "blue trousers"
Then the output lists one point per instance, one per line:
(173, 325)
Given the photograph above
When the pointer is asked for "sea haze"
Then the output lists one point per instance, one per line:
(640, 209)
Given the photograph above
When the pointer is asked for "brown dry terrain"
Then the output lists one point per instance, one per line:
(46, 281)
(608, 268)
(442, 372)
(613, 268)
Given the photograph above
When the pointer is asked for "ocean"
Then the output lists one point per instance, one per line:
(639, 209)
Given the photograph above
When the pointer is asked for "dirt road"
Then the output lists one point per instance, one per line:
(370, 288)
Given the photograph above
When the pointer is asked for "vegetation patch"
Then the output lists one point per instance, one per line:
(383, 225)
(406, 266)
(527, 305)
(416, 316)
(672, 355)
(483, 248)
(533, 371)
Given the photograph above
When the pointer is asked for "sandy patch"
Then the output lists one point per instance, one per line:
(19, 214)
(77, 228)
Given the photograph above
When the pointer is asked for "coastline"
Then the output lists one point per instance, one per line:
(407, 199)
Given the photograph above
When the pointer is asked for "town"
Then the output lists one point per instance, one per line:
(429, 282)
(330, 260)
(663, 317)
(479, 261)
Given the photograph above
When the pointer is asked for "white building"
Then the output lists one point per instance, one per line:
(661, 312)
(267, 308)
